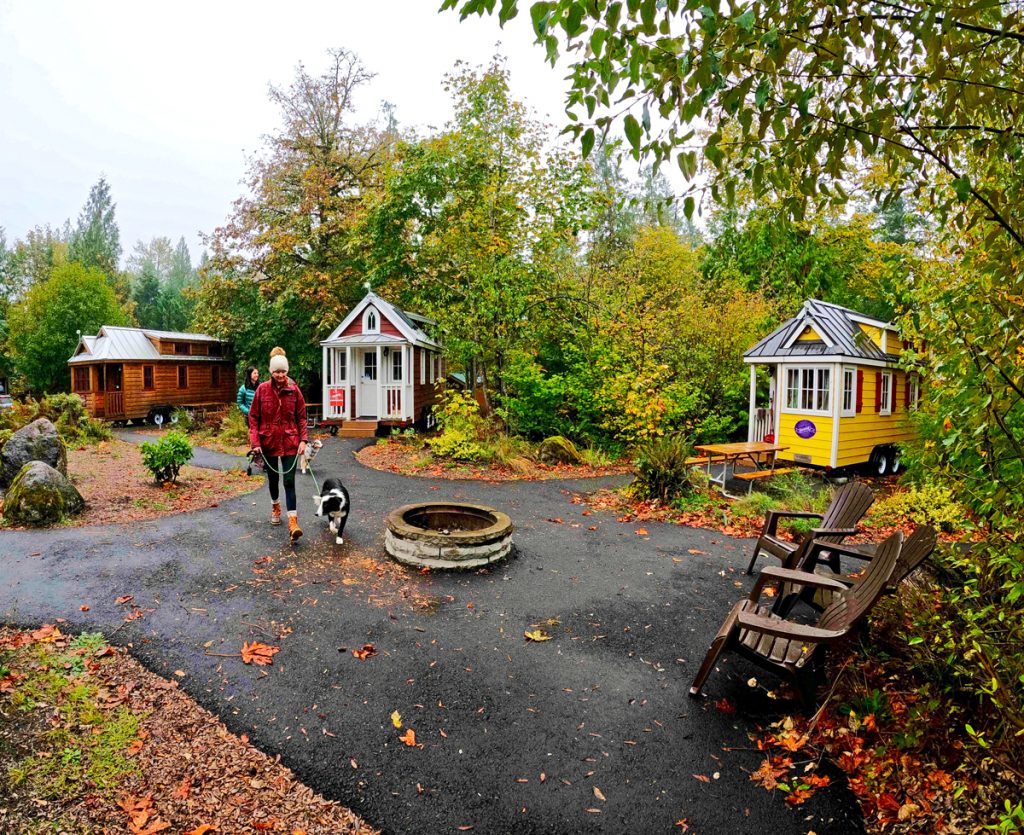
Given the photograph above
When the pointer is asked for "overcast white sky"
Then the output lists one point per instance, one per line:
(167, 100)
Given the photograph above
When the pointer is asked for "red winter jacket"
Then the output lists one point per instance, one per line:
(277, 418)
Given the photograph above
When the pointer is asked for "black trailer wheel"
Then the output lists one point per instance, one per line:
(334, 430)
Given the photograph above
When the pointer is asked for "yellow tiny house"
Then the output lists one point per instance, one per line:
(836, 397)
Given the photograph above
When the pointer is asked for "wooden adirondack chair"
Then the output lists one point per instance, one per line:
(793, 649)
(916, 549)
(848, 507)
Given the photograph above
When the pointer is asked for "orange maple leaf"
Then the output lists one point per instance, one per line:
(257, 653)
(641, 531)
(181, 792)
(271, 823)
(798, 797)
(409, 737)
(202, 829)
(46, 633)
(367, 651)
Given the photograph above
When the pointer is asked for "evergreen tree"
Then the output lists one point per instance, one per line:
(148, 297)
(96, 241)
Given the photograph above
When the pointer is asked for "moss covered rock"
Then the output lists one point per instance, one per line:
(41, 495)
(559, 450)
(36, 441)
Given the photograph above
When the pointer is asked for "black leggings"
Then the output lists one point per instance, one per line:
(283, 464)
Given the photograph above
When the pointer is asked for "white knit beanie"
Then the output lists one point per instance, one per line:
(278, 361)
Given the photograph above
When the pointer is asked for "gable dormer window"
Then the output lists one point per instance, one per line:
(371, 321)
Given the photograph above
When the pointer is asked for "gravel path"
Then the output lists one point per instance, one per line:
(591, 731)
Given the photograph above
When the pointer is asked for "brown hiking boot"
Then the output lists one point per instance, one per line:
(294, 531)
(275, 513)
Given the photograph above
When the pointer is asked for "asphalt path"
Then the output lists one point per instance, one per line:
(589, 732)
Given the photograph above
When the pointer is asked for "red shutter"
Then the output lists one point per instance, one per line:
(860, 390)
(906, 392)
(878, 392)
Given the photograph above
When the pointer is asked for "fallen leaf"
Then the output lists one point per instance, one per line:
(265, 825)
(694, 551)
(259, 654)
(179, 673)
(537, 635)
(725, 706)
(124, 598)
(409, 737)
(202, 829)
(181, 792)
(396, 719)
(598, 795)
(641, 531)
(367, 651)
(702, 777)
(83, 608)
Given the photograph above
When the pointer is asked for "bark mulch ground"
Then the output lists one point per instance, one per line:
(181, 771)
(118, 488)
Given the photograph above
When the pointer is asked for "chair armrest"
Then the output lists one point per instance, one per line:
(793, 575)
(816, 533)
(786, 628)
(843, 548)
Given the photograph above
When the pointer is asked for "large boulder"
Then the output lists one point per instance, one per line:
(36, 441)
(559, 450)
(41, 495)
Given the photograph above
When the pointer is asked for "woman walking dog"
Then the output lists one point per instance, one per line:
(277, 429)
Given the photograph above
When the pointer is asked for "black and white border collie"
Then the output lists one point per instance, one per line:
(334, 504)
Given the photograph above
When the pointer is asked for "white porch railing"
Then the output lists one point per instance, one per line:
(764, 423)
(392, 402)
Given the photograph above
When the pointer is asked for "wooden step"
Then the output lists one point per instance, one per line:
(358, 429)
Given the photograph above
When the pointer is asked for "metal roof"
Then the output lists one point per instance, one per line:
(363, 339)
(409, 324)
(118, 344)
(839, 328)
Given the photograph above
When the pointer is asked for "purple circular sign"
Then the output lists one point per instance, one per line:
(805, 428)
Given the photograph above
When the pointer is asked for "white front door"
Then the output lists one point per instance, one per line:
(366, 387)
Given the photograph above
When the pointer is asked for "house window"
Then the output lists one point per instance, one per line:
(433, 368)
(338, 370)
(370, 365)
(216, 349)
(147, 377)
(885, 393)
(396, 365)
(181, 347)
(82, 379)
(849, 405)
(808, 389)
(371, 324)
(423, 366)
(215, 376)
(183, 376)
(914, 391)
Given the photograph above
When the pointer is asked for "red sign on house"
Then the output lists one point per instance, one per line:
(336, 397)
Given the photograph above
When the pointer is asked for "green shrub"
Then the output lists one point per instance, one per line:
(67, 412)
(924, 504)
(234, 429)
(183, 420)
(661, 469)
(165, 458)
(461, 428)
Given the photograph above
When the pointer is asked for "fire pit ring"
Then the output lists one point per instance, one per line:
(447, 535)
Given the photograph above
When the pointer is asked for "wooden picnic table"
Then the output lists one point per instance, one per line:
(729, 454)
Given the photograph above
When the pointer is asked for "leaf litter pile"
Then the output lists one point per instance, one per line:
(90, 742)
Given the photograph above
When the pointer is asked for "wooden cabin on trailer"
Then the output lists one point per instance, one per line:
(381, 367)
(836, 396)
(135, 373)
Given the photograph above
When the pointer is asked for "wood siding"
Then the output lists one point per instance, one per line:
(859, 434)
(816, 450)
(138, 401)
(425, 394)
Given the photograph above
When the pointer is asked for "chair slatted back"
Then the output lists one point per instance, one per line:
(916, 550)
(856, 601)
(848, 507)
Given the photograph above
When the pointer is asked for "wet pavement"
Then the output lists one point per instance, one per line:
(591, 731)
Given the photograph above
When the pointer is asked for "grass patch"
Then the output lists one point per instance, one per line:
(64, 735)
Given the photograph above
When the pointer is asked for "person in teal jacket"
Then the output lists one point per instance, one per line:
(247, 391)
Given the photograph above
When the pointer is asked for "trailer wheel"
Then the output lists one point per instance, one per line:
(158, 418)
(879, 465)
(334, 431)
(895, 463)
(174, 417)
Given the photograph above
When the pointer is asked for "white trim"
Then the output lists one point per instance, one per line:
(380, 388)
(753, 404)
(804, 323)
(390, 312)
(371, 320)
(837, 407)
(348, 385)
(884, 408)
(816, 391)
(852, 411)
(820, 359)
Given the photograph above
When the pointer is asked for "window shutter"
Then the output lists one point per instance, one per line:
(860, 390)
(878, 392)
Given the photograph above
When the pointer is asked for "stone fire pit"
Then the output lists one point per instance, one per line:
(447, 535)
